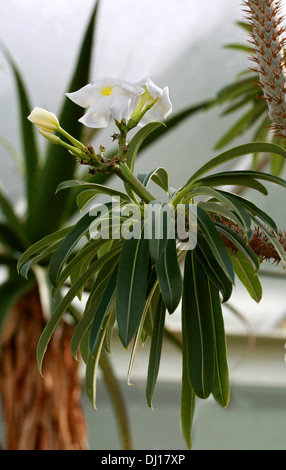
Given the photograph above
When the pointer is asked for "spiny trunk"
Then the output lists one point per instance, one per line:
(39, 413)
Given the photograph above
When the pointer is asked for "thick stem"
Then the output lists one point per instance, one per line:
(128, 177)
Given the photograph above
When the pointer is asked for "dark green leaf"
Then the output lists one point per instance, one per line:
(209, 231)
(220, 390)
(69, 243)
(197, 313)
(102, 311)
(169, 276)
(159, 227)
(155, 351)
(212, 268)
(137, 141)
(131, 287)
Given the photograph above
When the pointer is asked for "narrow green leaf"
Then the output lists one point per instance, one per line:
(232, 178)
(155, 351)
(188, 396)
(208, 229)
(37, 247)
(81, 329)
(240, 151)
(212, 268)
(159, 226)
(131, 287)
(254, 210)
(242, 125)
(137, 141)
(64, 304)
(102, 311)
(247, 275)
(240, 244)
(159, 176)
(68, 244)
(92, 363)
(220, 390)
(198, 324)
(169, 276)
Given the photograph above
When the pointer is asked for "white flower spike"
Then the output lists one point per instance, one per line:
(162, 107)
(109, 97)
(44, 120)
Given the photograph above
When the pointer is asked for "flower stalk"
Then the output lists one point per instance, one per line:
(267, 38)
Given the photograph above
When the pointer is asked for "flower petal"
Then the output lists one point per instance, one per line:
(98, 115)
(83, 97)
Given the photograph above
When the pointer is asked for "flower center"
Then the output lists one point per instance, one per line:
(106, 90)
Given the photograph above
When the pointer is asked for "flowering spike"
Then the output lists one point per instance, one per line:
(266, 34)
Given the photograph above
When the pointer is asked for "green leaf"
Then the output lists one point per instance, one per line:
(197, 313)
(247, 275)
(68, 244)
(64, 304)
(155, 351)
(239, 243)
(242, 125)
(254, 210)
(159, 176)
(50, 210)
(92, 363)
(212, 268)
(90, 190)
(169, 276)
(220, 389)
(232, 178)
(137, 141)
(215, 242)
(30, 150)
(188, 405)
(101, 312)
(159, 226)
(37, 247)
(131, 287)
(240, 151)
(99, 285)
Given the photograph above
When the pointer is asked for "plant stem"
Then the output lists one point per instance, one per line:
(128, 177)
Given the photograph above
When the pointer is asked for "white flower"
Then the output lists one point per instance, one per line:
(109, 97)
(161, 108)
(44, 120)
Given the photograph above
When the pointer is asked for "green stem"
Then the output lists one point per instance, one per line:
(128, 177)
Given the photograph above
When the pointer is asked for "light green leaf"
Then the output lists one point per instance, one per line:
(247, 275)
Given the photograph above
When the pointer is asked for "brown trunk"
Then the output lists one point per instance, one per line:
(39, 413)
